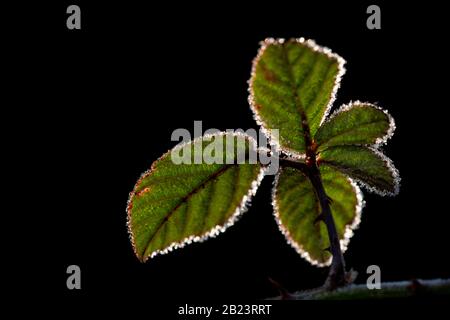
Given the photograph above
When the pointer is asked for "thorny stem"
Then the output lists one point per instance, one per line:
(435, 288)
(337, 274)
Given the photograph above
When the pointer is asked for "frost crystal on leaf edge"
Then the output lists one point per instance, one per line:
(251, 99)
(349, 228)
(348, 106)
(242, 208)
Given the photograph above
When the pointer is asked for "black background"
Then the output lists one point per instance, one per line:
(100, 104)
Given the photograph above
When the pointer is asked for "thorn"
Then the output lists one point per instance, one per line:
(284, 294)
(314, 146)
(350, 276)
(320, 217)
(330, 200)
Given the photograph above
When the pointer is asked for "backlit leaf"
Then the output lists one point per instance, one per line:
(366, 165)
(176, 204)
(292, 87)
(296, 206)
(355, 123)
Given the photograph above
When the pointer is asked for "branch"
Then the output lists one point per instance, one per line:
(389, 290)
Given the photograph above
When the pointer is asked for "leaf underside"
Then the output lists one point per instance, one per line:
(367, 165)
(293, 82)
(355, 124)
(173, 205)
(297, 206)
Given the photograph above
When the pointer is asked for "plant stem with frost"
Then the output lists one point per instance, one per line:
(337, 274)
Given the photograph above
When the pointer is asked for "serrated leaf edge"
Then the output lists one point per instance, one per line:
(379, 141)
(349, 229)
(240, 209)
(251, 99)
(393, 170)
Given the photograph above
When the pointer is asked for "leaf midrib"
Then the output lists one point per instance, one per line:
(183, 200)
(351, 172)
(348, 131)
(304, 121)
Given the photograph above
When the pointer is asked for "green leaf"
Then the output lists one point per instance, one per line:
(367, 165)
(296, 206)
(175, 204)
(292, 88)
(356, 123)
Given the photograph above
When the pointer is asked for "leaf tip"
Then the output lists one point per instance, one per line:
(393, 189)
